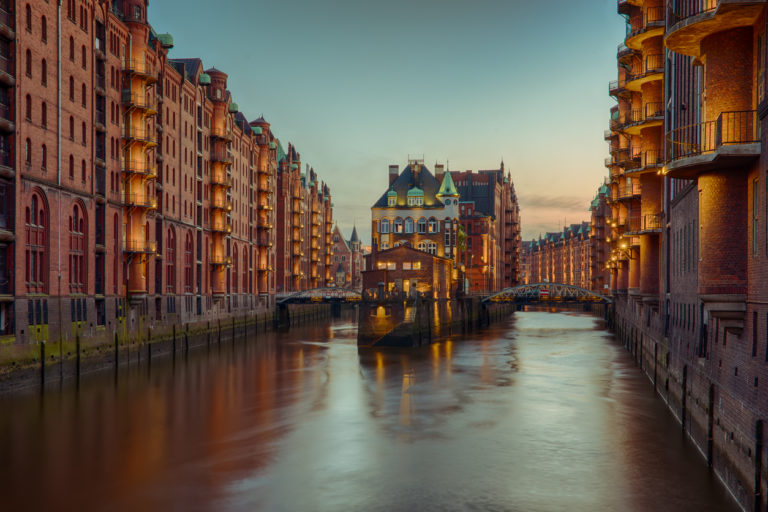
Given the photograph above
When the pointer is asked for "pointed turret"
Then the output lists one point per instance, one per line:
(447, 188)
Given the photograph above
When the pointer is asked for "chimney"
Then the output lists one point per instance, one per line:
(394, 172)
(439, 171)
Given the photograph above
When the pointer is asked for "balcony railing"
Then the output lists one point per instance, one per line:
(221, 156)
(221, 227)
(682, 9)
(730, 128)
(651, 158)
(6, 65)
(139, 67)
(221, 133)
(220, 180)
(629, 191)
(139, 167)
(653, 63)
(221, 261)
(653, 222)
(140, 246)
(653, 17)
(220, 204)
(139, 135)
(138, 100)
(140, 201)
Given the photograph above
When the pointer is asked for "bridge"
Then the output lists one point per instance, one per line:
(328, 295)
(547, 293)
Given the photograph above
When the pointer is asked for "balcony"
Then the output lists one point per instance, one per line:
(645, 224)
(7, 25)
(624, 53)
(221, 134)
(138, 101)
(223, 157)
(653, 69)
(690, 21)
(140, 68)
(625, 6)
(140, 246)
(140, 201)
(652, 26)
(628, 192)
(220, 204)
(139, 167)
(139, 136)
(221, 227)
(221, 180)
(263, 241)
(652, 114)
(7, 73)
(651, 159)
(6, 118)
(733, 139)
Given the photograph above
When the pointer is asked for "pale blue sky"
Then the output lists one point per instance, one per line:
(358, 85)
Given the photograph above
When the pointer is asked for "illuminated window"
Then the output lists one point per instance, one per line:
(398, 225)
(391, 265)
(422, 225)
(409, 225)
(434, 226)
(406, 265)
(416, 265)
(77, 250)
(384, 226)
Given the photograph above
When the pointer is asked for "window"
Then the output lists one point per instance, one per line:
(406, 265)
(428, 246)
(28, 108)
(44, 73)
(384, 226)
(71, 128)
(28, 63)
(84, 96)
(77, 250)
(188, 264)
(398, 225)
(391, 200)
(44, 160)
(170, 262)
(72, 49)
(409, 225)
(83, 57)
(36, 234)
(234, 270)
(755, 210)
(28, 12)
(71, 9)
(82, 171)
(422, 225)
(434, 227)
(44, 29)
(416, 265)
(28, 152)
(71, 89)
(71, 167)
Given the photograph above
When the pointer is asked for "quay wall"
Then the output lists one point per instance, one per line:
(716, 402)
(42, 363)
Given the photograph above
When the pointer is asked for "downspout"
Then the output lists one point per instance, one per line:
(58, 143)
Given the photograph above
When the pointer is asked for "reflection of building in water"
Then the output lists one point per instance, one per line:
(406, 400)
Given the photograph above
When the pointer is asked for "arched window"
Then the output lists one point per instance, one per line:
(84, 95)
(434, 226)
(35, 255)
(44, 29)
(82, 170)
(170, 262)
(116, 235)
(44, 115)
(422, 226)
(77, 250)
(44, 72)
(188, 264)
(72, 49)
(428, 246)
(234, 270)
(28, 12)
(71, 128)
(28, 107)
(71, 89)
(44, 160)
(71, 9)
(245, 270)
(408, 225)
(384, 226)
(398, 225)
(28, 63)
(28, 152)
(71, 167)
(83, 53)
(83, 133)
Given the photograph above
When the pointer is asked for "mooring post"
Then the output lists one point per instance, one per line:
(117, 352)
(42, 364)
(77, 358)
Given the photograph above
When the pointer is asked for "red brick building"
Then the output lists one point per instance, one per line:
(154, 202)
(688, 230)
(404, 270)
(347, 260)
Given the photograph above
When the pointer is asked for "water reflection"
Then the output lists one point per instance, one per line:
(543, 412)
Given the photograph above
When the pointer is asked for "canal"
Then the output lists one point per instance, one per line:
(543, 412)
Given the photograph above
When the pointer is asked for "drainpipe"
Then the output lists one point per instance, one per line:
(58, 143)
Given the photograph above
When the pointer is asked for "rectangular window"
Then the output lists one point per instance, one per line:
(406, 265)
(755, 209)
(754, 334)
(391, 265)
(416, 265)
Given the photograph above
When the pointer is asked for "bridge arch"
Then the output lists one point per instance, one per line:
(322, 295)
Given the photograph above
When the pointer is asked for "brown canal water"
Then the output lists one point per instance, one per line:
(543, 412)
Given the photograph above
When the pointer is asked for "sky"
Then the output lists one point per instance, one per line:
(357, 85)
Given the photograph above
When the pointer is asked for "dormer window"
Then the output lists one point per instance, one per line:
(391, 201)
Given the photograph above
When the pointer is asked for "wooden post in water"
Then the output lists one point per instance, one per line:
(42, 365)
(77, 359)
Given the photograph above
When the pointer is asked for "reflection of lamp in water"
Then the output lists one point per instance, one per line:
(406, 403)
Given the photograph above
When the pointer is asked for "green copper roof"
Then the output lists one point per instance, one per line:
(280, 152)
(415, 191)
(272, 145)
(205, 79)
(447, 188)
(294, 167)
(166, 40)
(256, 130)
(233, 107)
(391, 193)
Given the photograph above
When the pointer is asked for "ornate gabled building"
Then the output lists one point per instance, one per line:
(347, 260)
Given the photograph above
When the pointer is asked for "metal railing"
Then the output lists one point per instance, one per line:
(653, 17)
(138, 100)
(6, 65)
(223, 181)
(139, 134)
(221, 204)
(221, 156)
(221, 227)
(138, 167)
(730, 128)
(221, 133)
(139, 67)
(139, 200)
(651, 158)
(653, 222)
(140, 246)
(629, 191)
(681, 9)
